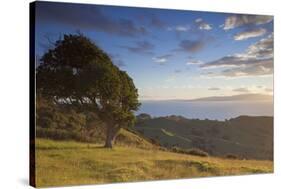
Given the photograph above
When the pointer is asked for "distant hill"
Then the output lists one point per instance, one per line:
(241, 97)
(244, 136)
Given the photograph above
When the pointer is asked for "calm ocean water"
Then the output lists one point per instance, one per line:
(219, 110)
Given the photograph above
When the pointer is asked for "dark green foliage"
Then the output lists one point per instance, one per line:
(61, 118)
(79, 75)
(63, 122)
(58, 134)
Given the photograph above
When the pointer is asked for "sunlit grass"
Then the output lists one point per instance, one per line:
(72, 163)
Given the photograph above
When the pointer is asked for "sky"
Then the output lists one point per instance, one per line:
(170, 54)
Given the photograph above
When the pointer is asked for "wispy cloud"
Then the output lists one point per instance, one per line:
(253, 70)
(236, 61)
(140, 47)
(195, 62)
(179, 28)
(256, 60)
(214, 89)
(242, 89)
(261, 49)
(191, 45)
(88, 17)
(162, 59)
(202, 25)
(235, 21)
(249, 34)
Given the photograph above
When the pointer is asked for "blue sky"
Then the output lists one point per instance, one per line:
(171, 54)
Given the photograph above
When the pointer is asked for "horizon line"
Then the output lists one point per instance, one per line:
(194, 99)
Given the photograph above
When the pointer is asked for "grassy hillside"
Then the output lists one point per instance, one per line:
(68, 163)
(244, 136)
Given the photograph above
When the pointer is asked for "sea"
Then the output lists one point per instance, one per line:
(214, 110)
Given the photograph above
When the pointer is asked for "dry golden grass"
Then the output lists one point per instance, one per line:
(73, 163)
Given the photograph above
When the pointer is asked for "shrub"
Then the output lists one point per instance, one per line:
(178, 150)
(193, 151)
(61, 134)
(231, 156)
(65, 122)
(57, 134)
(197, 152)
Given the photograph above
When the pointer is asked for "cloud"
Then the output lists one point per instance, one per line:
(242, 89)
(261, 49)
(198, 20)
(140, 47)
(194, 62)
(205, 26)
(156, 22)
(151, 20)
(202, 25)
(214, 89)
(249, 34)
(179, 28)
(89, 17)
(235, 21)
(257, 60)
(245, 68)
(253, 70)
(162, 59)
(191, 45)
(235, 61)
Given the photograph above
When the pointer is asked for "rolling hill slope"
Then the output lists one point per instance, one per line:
(244, 136)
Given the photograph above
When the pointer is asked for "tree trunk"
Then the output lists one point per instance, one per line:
(110, 136)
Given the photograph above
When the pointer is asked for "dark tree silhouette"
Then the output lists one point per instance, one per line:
(78, 73)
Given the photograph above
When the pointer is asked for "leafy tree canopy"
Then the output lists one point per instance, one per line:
(78, 73)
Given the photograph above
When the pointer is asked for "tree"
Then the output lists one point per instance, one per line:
(143, 117)
(78, 73)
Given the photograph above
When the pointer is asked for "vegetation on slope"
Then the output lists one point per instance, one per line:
(68, 163)
(245, 136)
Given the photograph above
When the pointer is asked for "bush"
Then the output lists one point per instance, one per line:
(154, 141)
(193, 151)
(61, 134)
(57, 134)
(178, 150)
(232, 156)
(65, 122)
(197, 152)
